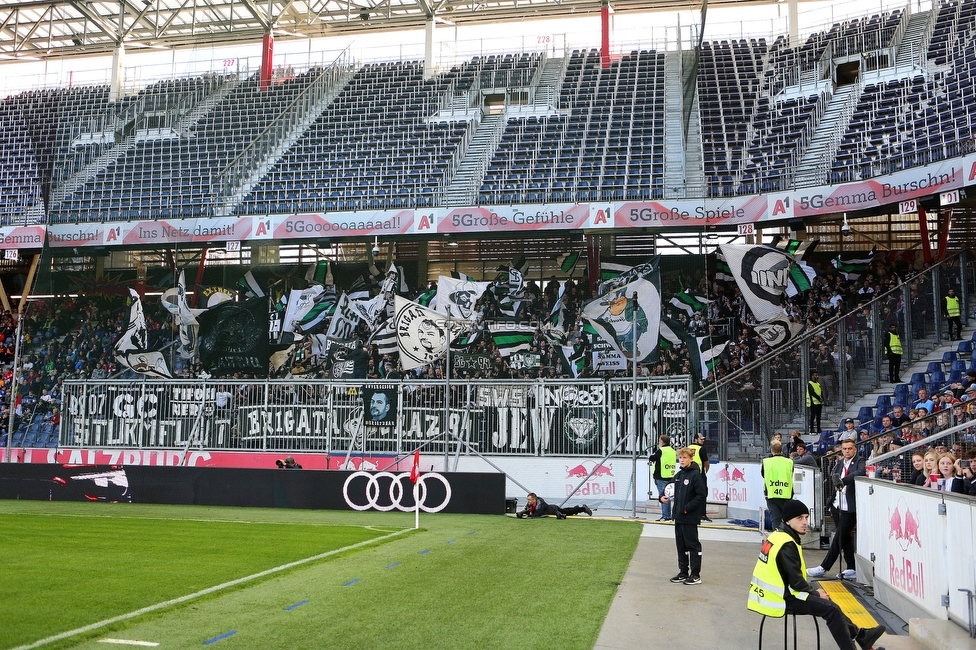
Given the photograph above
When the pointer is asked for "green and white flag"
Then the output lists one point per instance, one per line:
(568, 262)
(575, 359)
(689, 303)
(852, 266)
(511, 336)
(625, 323)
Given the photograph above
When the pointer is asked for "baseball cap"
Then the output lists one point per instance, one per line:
(849, 421)
(971, 389)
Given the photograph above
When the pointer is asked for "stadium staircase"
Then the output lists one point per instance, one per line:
(814, 165)
(252, 164)
(694, 157)
(463, 188)
(674, 142)
(915, 41)
(186, 116)
(549, 81)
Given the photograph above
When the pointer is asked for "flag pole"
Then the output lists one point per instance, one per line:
(447, 391)
(633, 415)
(416, 506)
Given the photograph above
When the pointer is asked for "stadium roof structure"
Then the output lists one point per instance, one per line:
(37, 29)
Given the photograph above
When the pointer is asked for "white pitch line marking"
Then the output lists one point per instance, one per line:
(147, 644)
(204, 592)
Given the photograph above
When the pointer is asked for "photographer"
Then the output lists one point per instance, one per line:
(536, 506)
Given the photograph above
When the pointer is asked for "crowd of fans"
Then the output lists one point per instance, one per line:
(909, 449)
(68, 338)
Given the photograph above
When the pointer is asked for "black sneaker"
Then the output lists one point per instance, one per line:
(560, 515)
(867, 636)
(693, 580)
(705, 518)
(519, 515)
(586, 509)
(681, 577)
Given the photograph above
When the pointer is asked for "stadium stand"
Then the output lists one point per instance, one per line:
(373, 147)
(392, 139)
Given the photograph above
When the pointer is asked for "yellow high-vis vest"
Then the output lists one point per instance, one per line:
(814, 389)
(669, 462)
(778, 477)
(894, 343)
(952, 306)
(767, 592)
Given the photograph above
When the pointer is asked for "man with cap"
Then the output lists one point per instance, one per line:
(849, 427)
(892, 348)
(701, 457)
(779, 585)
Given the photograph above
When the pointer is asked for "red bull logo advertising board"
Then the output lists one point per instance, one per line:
(600, 483)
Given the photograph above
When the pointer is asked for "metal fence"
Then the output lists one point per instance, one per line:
(552, 417)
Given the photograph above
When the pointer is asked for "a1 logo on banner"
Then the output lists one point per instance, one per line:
(747, 229)
(11, 254)
(908, 207)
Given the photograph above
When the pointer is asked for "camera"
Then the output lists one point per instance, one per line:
(376, 249)
(965, 464)
(845, 229)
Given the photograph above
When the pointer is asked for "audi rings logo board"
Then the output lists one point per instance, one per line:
(385, 491)
(454, 492)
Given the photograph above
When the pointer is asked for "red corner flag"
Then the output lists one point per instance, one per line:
(415, 470)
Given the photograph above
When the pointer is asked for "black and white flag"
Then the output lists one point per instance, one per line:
(457, 298)
(762, 274)
(130, 349)
(423, 334)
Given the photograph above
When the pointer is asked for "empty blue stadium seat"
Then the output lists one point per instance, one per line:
(965, 347)
(959, 365)
(864, 414)
(934, 366)
(918, 378)
(883, 404)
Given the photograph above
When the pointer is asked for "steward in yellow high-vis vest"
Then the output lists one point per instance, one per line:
(952, 311)
(779, 584)
(777, 473)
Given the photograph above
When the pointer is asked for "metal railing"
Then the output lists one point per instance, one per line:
(239, 170)
(534, 418)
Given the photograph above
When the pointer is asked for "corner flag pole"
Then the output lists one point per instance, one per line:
(415, 477)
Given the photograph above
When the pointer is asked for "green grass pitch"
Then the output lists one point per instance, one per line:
(462, 581)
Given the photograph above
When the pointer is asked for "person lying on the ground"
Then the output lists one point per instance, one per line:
(536, 506)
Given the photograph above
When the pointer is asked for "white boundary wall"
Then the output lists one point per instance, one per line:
(917, 547)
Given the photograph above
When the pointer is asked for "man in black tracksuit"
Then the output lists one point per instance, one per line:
(536, 506)
(687, 510)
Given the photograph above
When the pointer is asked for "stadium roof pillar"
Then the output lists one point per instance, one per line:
(118, 70)
(267, 59)
(605, 33)
(429, 48)
(794, 23)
